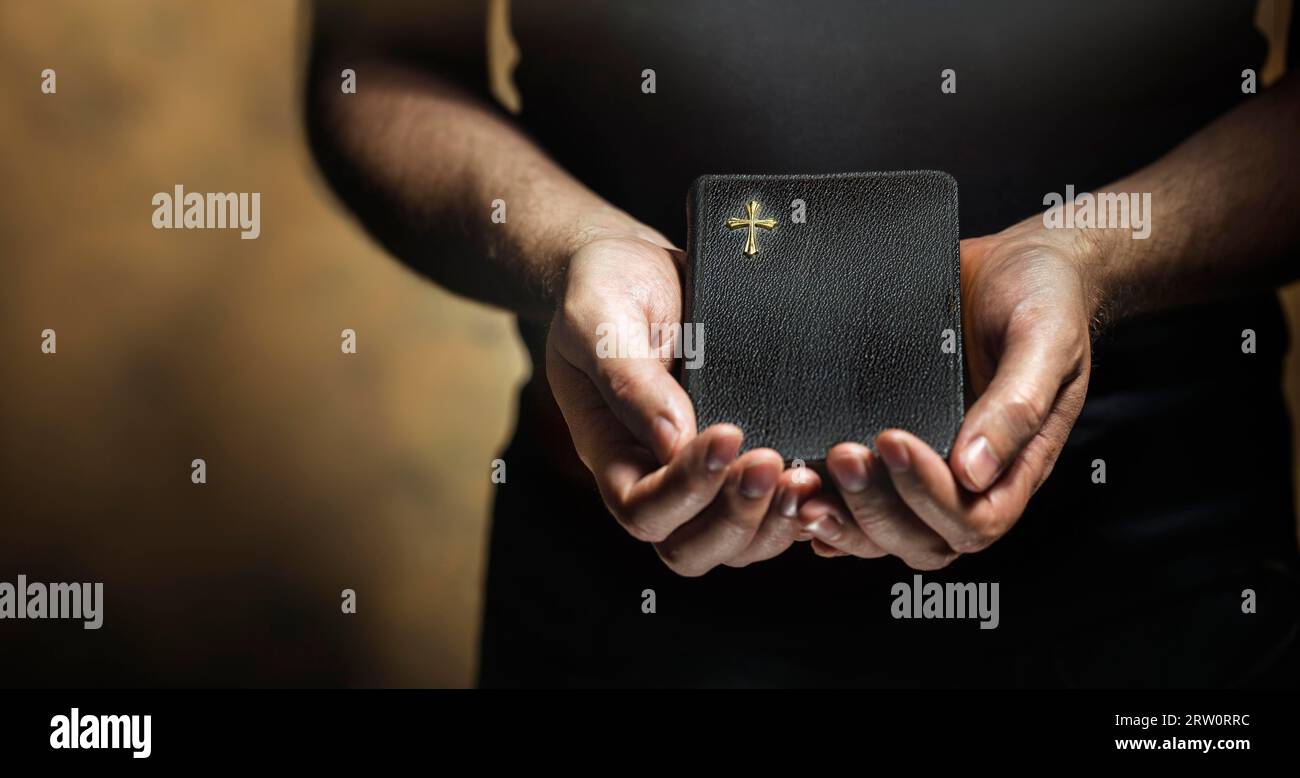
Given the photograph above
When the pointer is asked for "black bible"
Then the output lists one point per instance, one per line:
(828, 308)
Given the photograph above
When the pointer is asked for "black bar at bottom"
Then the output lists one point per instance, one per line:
(306, 727)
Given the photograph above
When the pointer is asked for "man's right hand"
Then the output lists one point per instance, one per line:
(633, 425)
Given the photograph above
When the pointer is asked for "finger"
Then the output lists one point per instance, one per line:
(1010, 495)
(1014, 407)
(649, 401)
(876, 507)
(596, 431)
(780, 527)
(821, 549)
(640, 391)
(828, 521)
(1039, 456)
(728, 525)
(651, 503)
(967, 522)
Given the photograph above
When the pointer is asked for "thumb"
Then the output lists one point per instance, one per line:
(646, 398)
(1011, 411)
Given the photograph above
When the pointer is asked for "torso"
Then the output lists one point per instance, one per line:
(1047, 95)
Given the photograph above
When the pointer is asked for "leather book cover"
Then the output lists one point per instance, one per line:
(829, 305)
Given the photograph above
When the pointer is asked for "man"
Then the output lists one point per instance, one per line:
(1170, 494)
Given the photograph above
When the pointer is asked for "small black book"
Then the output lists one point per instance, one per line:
(827, 308)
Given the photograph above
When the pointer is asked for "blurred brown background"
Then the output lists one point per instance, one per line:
(325, 471)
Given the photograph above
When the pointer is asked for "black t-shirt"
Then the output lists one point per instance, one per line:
(1137, 581)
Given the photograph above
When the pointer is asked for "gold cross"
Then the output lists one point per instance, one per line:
(751, 221)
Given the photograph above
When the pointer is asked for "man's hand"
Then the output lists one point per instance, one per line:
(634, 427)
(1027, 305)
(420, 157)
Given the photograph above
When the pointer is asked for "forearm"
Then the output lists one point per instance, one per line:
(1224, 208)
(422, 161)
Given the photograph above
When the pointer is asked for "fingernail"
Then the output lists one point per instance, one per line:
(790, 504)
(757, 481)
(981, 464)
(722, 451)
(665, 433)
(850, 473)
(895, 456)
(827, 528)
